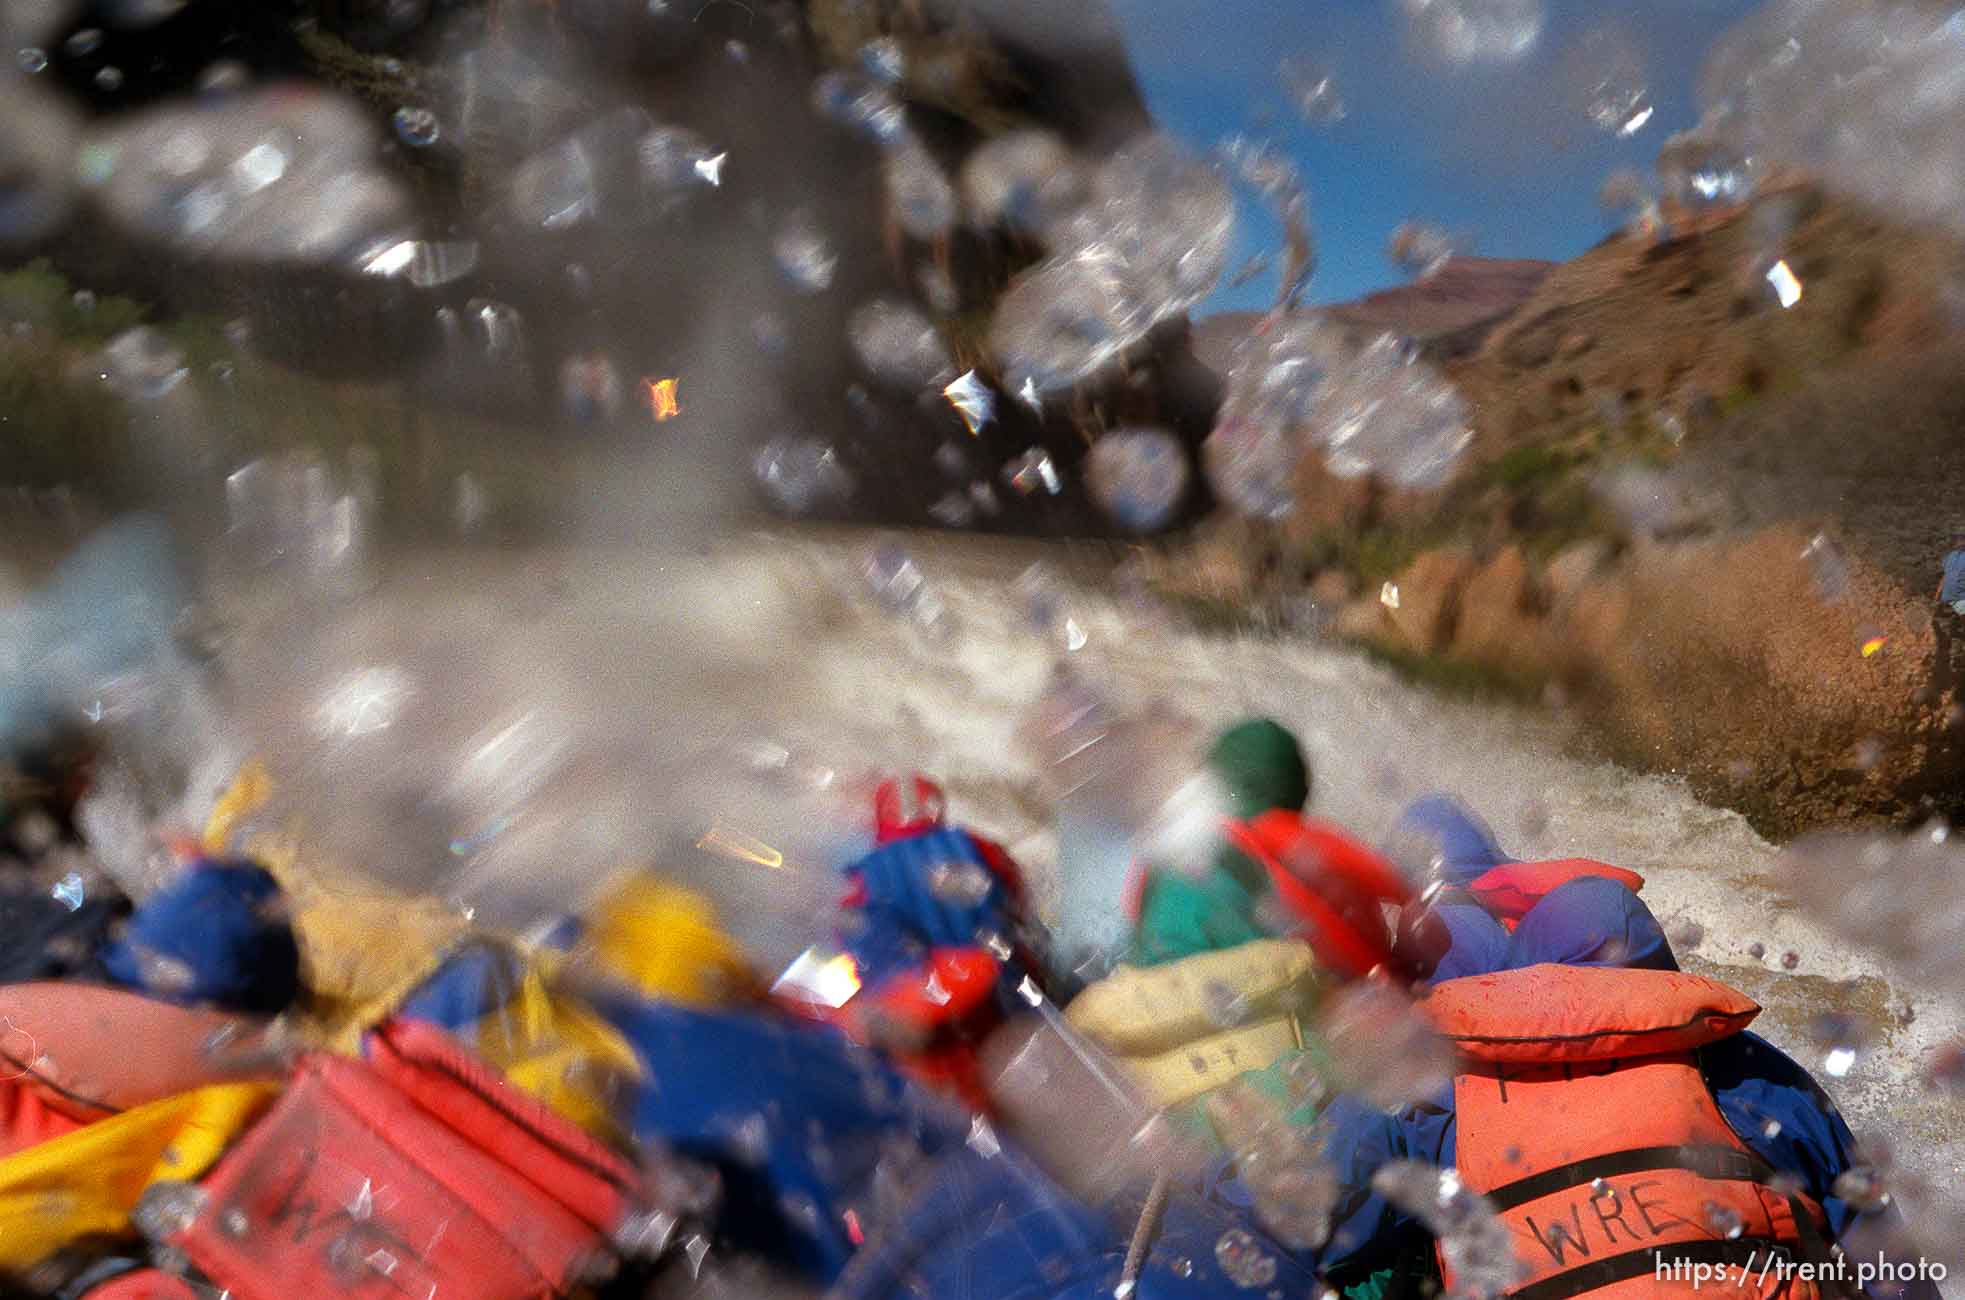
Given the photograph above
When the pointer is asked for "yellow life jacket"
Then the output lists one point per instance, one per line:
(1186, 1027)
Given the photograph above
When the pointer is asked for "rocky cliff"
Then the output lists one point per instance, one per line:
(1707, 523)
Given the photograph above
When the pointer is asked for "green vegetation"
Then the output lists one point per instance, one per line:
(51, 425)
(1737, 398)
(1377, 553)
(1525, 466)
(62, 425)
(41, 297)
(386, 83)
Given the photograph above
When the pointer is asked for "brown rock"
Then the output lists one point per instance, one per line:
(1573, 568)
(1363, 620)
(1325, 501)
(1217, 568)
(1428, 600)
(1499, 623)
(1598, 617)
(1720, 658)
(1331, 588)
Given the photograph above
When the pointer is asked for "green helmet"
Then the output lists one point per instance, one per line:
(1261, 767)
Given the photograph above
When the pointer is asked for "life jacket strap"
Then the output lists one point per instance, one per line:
(1745, 1253)
(1707, 1161)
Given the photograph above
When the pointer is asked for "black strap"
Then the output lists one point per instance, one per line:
(1653, 1261)
(1818, 1250)
(1717, 1162)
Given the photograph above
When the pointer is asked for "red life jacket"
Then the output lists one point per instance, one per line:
(1511, 889)
(143, 1284)
(1331, 882)
(27, 1119)
(418, 1171)
(1583, 1118)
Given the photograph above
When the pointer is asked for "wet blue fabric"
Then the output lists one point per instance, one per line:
(997, 1228)
(1479, 943)
(474, 981)
(918, 894)
(793, 1117)
(1591, 922)
(1466, 846)
(222, 936)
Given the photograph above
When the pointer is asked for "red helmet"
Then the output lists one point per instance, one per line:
(907, 807)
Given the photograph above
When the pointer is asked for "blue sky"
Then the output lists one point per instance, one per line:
(1503, 155)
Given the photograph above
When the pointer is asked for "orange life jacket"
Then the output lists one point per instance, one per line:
(1511, 889)
(1332, 883)
(1583, 1118)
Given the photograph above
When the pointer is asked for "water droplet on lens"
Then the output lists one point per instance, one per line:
(32, 59)
(1034, 471)
(143, 364)
(1026, 181)
(590, 387)
(1137, 476)
(923, 200)
(899, 345)
(1387, 415)
(854, 101)
(83, 43)
(224, 78)
(1701, 171)
(1864, 1188)
(973, 400)
(1477, 1245)
(1829, 565)
(1724, 1220)
(1384, 1049)
(1419, 249)
(70, 891)
(1243, 1260)
(416, 127)
(884, 59)
(953, 509)
(1312, 90)
(962, 883)
(1606, 68)
(803, 253)
(801, 474)
(166, 1209)
(109, 78)
(1061, 323)
(1474, 31)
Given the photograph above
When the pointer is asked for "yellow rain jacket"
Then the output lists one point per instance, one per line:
(87, 1182)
